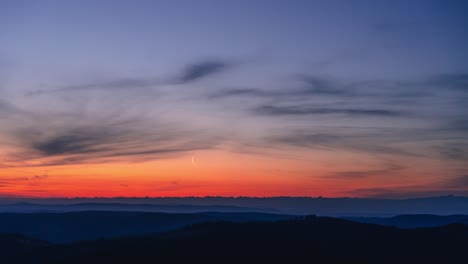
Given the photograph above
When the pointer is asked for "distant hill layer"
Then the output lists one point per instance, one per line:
(129, 207)
(341, 207)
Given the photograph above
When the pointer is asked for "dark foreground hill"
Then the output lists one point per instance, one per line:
(92, 225)
(306, 240)
(414, 221)
(76, 226)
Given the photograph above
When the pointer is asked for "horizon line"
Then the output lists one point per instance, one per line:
(228, 197)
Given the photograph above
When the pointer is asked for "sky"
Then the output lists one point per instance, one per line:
(233, 98)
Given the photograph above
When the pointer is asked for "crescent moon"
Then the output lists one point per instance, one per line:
(193, 161)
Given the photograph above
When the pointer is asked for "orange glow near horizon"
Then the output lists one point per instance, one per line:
(215, 173)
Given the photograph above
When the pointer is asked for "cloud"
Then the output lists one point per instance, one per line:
(376, 192)
(100, 143)
(35, 177)
(190, 73)
(402, 192)
(311, 96)
(457, 81)
(313, 87)
(423, 111)
(119, 84)
(7, 108)
(272, 110)
(405, 192)
(202, 69)
(457, 182)
(9, 111)
(341, 139)
(346, 104)
(66, 144)
(103, 127)
(324, 86)
(388, 169)
(94, 139)
(4, 107)
(33, 180)
(308, 86)
(454, 152)
(40, 177)
(457, 185)
(241, 92)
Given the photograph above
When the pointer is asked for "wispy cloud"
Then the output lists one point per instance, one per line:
(303, 86)
(190, 73)
(458, 81)
(33, 180)
(35, 177)
(83, 139)
(203, 69)
(101, 142)
(305, 110)
(353, 105)
(406, 192)
(324, 86)
(7, 108)
(311, 86)
(457, 182)
(114, 85)
(227, 93)
(453, 152)
(104, 127)
(350, 139)
(353, 174)
(457, 185)
(307, 101)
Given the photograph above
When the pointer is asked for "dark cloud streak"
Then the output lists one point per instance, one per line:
(203, 69)
(454, 152)
(298, 110)
(241, 92)
(121, 84)
(456, 81)
(388, 169)
(457, 182)
(373, 141)
(95, 140)
(191, 73)
(111, 140)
